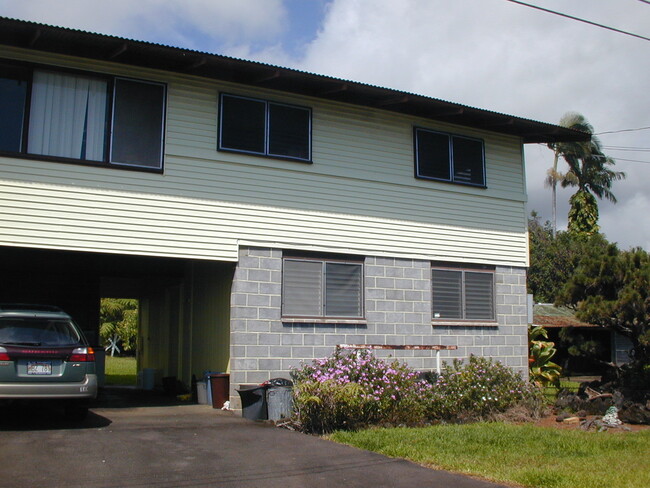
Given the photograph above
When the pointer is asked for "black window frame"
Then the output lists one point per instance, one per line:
(110, 80)
(453, 175)
(266, 152)
(322, 305)
(464, 271)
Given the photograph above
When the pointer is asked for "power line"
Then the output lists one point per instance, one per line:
(627, 148)
(602, 26)
(622, 130)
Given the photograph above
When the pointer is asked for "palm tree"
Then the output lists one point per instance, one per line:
(570, 120)
(589, 170)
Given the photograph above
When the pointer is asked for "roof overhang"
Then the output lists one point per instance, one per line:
(73, 42)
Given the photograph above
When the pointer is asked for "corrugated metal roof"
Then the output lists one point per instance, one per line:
(90, 45)
(549, 315)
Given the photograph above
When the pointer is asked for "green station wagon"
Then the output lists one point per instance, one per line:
(44, 356)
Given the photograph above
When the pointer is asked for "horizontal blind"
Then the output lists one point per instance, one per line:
(302, 288)
(479, 296)
(343, 290)
(447, 294)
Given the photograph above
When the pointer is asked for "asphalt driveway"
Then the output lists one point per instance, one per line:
(189, 446)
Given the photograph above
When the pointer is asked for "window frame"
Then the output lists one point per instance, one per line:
(450, 140)
(267, 142)
(323, 317)
(463, 270)
(110, 80)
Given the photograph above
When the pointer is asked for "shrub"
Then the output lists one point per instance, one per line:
(349, 390)
(480, 389)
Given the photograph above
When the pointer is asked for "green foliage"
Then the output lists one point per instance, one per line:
(583, 214)
(553, 259)
(349, 390)
(613, 290)
(119, 321)
(543, 371)
(479, 389)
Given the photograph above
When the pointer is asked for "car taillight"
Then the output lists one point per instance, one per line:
(3, 355)
(82, 355)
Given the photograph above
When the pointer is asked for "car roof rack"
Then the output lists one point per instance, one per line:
(29, 306)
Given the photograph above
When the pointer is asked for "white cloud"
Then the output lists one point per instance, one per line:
(195, 24)
(505, 57)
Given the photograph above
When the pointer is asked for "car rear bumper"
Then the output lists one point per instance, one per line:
(84, 389)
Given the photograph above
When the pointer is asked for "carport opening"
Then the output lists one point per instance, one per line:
(119, 320)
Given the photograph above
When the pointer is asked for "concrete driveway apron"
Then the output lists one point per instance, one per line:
(190, 446)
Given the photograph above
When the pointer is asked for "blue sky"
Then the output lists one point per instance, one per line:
(492, 54)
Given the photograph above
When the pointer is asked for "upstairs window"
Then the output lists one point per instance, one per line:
(463, 294)
(266, 128)
(448, 157)
(322, 288)
(82, 117)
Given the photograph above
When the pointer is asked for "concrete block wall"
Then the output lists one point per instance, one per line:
(397, 297)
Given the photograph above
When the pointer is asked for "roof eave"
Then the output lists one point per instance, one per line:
(73, 42)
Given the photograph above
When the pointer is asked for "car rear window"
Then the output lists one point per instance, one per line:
(38, 332)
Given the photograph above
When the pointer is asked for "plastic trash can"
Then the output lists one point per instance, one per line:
(207, 382)
(202, 392)
(219, 386)
(253, 402)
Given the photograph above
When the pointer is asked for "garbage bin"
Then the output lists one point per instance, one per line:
(279, 398)
(201, 392)
(219, 385)
(253, 402)
(206, 378)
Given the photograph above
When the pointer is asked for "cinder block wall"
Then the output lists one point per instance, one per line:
(397, 309)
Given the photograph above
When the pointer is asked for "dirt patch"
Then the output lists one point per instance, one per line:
(550, 421)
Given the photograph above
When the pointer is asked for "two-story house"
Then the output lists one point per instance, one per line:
(262, 215)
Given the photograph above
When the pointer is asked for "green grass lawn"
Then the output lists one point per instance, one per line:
(120, 370)
(525, 455)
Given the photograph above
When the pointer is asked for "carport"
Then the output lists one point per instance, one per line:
(184, 304)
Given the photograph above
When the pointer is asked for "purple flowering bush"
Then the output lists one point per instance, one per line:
(479, 389)
(352, 389)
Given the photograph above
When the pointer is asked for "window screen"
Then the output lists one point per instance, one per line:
(468, 160)
(302, 288)
(243, 124)
(433, 155)
(266, 128)
(137, 123)
(13, 95)
(447, 157)
(289, 130)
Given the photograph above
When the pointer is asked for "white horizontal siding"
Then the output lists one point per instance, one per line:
(358, 196)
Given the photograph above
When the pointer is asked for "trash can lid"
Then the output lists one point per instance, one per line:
(278, 382)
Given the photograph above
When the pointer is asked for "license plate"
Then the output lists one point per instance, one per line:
(39, 367)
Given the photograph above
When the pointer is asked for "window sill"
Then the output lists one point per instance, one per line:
(465, 323)
(324, 320)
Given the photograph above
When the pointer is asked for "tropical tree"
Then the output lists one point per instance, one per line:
(590, 171)
(574, 121)
(119, 323)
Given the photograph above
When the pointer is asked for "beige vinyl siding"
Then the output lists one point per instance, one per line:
(359, 195)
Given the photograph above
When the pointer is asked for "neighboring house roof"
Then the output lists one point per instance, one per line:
(74, 42)
(548, 315)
